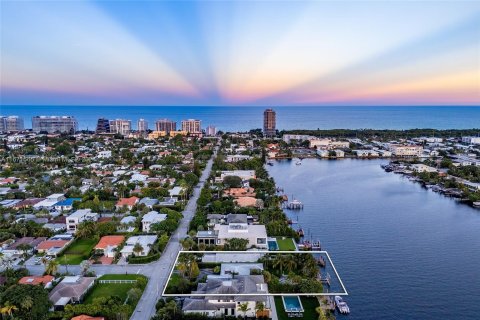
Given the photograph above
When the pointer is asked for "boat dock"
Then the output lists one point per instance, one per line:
(295, 205)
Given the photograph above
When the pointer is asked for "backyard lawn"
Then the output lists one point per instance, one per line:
(286, 244)
(309, 305)
(109, 289)
(78, 251)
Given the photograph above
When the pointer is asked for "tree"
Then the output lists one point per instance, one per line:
(290, 263)
(31, 301)
(236, 244)
(243, 307)
(25, 248)
(259, 307)
(86, 229)
(232, 181)
(52, 267)
(137, 249)
(85, 266)
(8, 309)
(279, 261)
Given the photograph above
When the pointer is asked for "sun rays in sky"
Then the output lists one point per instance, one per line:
(240, 53)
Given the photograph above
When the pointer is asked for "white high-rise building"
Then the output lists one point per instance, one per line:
(120, 126)
(211, 131)
(142, 125)
(11, 123)
(52, 124)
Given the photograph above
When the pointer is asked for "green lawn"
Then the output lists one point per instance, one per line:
(78, 251)
(110, 289)
(309, 305)
(286, 244)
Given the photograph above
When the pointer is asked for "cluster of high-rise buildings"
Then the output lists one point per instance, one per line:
(163, 127)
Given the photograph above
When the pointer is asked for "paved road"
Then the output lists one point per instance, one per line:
(161, 269)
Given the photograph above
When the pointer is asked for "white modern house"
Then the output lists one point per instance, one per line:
(145, 242)
(256, 234)
(231, 294)
(151, 218)
(78, 217)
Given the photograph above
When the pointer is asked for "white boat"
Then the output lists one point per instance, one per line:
(298, 163)
(341, 305)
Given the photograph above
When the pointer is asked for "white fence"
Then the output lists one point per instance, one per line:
(117, 281)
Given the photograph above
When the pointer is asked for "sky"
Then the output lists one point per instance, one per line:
(271, 53)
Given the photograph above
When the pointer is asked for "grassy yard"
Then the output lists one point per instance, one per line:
(109, 289)
(309, 305)
(286, 244)
(78, 251)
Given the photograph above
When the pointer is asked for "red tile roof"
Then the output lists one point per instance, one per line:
(127, 201)
(48, 244)
(35, 280)
(106, 241)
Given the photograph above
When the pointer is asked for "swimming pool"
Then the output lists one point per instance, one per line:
(272, 245)
(292, 304)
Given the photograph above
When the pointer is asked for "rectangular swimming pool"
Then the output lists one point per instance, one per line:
(292, 304)
(272, 245)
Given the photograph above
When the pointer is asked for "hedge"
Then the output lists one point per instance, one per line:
(142, 260)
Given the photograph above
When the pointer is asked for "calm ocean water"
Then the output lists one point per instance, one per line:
(246, 118)
(403, 252)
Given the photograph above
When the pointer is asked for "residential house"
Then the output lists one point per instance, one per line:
(148, 202)
(237, 227)
(72, 289)
(127, 224)
(80, 216)
(66, 205)
(226, 293)
(45, 280)
(108, 245)
(145, 242)
(127, 202)
(239, 192)
(15, 248)
(151, 218)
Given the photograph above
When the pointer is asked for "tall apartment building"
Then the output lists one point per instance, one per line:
(142, 125)
(52, 124)
(269, 123)
(120, 126)
(11, 123)
(165, 125)
(192, 126)
(211, 131)
(103, 126)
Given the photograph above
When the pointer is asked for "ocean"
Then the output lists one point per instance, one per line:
(288, 118)
(402, 251)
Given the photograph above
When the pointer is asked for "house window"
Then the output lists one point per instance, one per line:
(261, 241)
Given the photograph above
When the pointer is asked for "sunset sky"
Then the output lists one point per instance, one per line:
(240, 53)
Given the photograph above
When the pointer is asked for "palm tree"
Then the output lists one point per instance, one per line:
(279, 261)
(8, 309)
(290, 262)
(243, 307)
(259, 307)
(137, 248)
(25, 248)
(52, 267)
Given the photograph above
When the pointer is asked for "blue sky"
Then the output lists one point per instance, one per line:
(240, 53)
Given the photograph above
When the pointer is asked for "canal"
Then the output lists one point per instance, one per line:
(403, 252)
